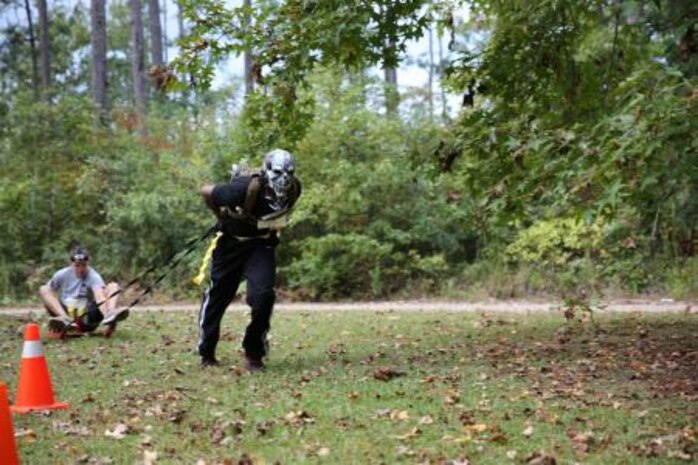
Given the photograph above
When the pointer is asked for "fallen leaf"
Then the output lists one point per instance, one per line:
(149, 457)
(177, 416)
(26, 435)
(582, 442)
(476, 428)
(497, 435)
(679, 454)
(404, 451)
(401, 415)
(413, 433)
(70, 429)
(452, 397)
(264, 427)
(119, 431)
(540, 458)
(299, 418)
(386, 374)
(217, 433)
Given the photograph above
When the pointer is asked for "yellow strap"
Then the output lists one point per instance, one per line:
(198, 279)
(76, 312)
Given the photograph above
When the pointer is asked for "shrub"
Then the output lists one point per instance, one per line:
(337, 265)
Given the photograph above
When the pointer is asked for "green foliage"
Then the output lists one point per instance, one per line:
(43, 154)
(69, 32)
(133, 202)
(364, 190)
(555, 243)
(150, 218)
(682, 279)
(280, 120)
(521, 169)
(288, 41)
(580, 119)
(336, 265)
(577, 161)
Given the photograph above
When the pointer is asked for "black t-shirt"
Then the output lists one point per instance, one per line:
(232, 195)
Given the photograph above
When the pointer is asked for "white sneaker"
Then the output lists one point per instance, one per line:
(116, 316)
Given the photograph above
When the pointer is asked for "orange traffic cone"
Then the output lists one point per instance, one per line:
(8, 448)
(34, 390)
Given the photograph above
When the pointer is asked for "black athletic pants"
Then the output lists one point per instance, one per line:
(233, 260)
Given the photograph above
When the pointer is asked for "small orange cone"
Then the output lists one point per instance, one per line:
(8, 448)
(34, 390)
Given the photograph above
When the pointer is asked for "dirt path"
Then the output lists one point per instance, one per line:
(643, 306)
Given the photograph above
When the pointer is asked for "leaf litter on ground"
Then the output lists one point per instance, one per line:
(432, 387)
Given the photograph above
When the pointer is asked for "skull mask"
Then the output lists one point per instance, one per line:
(279, 167)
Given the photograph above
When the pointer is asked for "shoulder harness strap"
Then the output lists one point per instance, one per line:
(252, 193)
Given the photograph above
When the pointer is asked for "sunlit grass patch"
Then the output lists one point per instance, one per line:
(372, 387)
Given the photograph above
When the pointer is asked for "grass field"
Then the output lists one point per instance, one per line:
(367, 387)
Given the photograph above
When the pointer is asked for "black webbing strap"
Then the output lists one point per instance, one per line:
(171, 262)
(251, 194)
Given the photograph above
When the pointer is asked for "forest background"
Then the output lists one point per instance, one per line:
(570, 169)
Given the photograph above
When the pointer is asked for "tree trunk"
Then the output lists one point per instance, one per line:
(155, 29)
(392, 96)
(431, 73)
(444, 109)
(44, 47)
(390, 60)
(140, 85)
(180, 21)
(165, 38)
(181, 33)
(98, 39)
(249, 59)
(32, 46)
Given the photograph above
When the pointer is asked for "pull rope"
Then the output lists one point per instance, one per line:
(172, 261)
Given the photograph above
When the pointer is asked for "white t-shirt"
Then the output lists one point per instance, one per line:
(74, 292)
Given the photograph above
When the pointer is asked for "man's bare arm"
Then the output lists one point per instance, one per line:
(51, 302)
(206, 193)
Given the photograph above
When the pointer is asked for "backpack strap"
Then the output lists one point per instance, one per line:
(252, 194)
